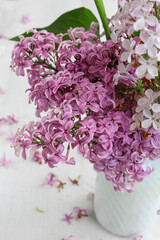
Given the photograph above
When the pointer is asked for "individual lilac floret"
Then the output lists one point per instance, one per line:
(51, 179)
(68, 218)
(37, 157)
(4, 162)
(80, 212)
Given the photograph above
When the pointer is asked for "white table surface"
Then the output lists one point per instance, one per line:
(21, 185)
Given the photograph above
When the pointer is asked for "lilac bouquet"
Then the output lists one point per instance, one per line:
(102, 97)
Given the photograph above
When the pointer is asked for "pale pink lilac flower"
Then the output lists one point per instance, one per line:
(147, 68)
(151, 119)
(154, 37)
(129, 46)
(140, 7)
(4, 162)
(144, 20)
(147, 101)
(145, 46)
(138, 16)
(156, 107)
(138, 118)
(123, 73)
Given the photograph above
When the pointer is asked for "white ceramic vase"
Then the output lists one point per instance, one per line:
(127, 214)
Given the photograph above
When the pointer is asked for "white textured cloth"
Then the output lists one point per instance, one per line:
(21, 185)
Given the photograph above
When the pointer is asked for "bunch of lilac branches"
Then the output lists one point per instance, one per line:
(101, 97)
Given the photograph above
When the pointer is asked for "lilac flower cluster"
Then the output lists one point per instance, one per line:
(101, 97)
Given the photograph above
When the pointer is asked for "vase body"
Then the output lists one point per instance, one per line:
(127, 214)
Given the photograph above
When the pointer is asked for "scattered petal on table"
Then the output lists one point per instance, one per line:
(4, 162)
(80, 212)
(158, 211)
(26, 19)
(51, 179)
(68, 218)
(138, 237)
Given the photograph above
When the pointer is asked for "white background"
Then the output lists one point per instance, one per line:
(21, 185)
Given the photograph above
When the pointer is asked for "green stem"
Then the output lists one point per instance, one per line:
(155, 6)
(103, 16)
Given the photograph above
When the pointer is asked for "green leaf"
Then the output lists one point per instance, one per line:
(80, 17)
(136, 34)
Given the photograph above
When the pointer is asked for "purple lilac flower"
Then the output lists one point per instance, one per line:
(87, 95)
